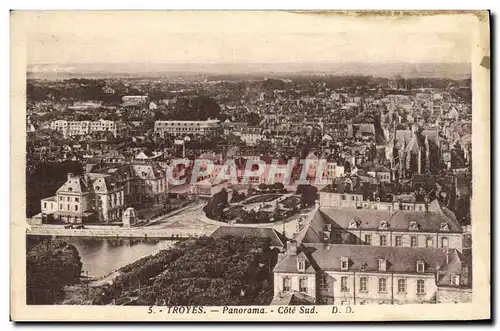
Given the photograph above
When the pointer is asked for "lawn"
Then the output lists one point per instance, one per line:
(262, 198)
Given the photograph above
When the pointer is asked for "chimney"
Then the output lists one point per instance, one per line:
(70, 175)
(292, 247)
(447, 256)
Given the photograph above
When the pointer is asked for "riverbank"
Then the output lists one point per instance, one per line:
(116, 232)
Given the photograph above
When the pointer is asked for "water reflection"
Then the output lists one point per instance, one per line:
(100, 256)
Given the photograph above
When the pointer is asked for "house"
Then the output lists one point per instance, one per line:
(207, 188)
(382, 173)
(358, 275)
(109, 198)
(251, 135)
(71, 204)
(135, 100)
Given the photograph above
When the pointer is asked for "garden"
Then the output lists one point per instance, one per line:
(259, 206)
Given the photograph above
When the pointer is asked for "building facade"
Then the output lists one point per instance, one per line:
(358, 275)
(380, 228)
(179, 128)
(81, 128)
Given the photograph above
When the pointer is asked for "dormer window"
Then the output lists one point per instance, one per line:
(382, 265)
(420, 266)
(455, 280)
(70, 189)
(444, 227)
(301, 265)
(384, 225)
(414, 226)
(344, 263)
(353, 224)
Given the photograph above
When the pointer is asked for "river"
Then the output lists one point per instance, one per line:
(100, 256)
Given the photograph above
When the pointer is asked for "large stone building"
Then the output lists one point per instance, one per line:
(71, 204)
(414, 152)
(436, 229)
(179, 128)
(104, 193)
(353, 274)
(81, 128)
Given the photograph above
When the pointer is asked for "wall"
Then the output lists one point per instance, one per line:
(311, 282)
(51, 206)
(353, 295)
(455, 295)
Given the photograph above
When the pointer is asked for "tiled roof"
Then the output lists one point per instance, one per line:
(104, 184)
(292, 298)
(289, 263)
(366, 257)
(74, 184)
(427, 221)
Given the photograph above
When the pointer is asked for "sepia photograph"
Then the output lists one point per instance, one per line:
(250, 165)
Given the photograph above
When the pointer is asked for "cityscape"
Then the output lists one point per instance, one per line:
(257, 189)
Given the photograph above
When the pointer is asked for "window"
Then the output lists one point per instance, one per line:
(401, 285)
(382, 265)
(303, 285)
(60, 198)
(67, 207)
(343, 284)
(301, 265)
(420, 266)
(44, 205)
(399, 241)
(444, 227)
(322, 282)
(77, 199)
(413, 226)
(76, 207)
(414, 241)
(60, 206)
(68, 198)
(455, 280)
(420, 286)
(384, 225)
(344, 263)
(343, 197)
(383, 240)
(368, 239)
(429, 242)
(363, 284)
(444, 242)
(382, 285)
(286, 284)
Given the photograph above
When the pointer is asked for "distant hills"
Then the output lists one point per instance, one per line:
(136, 70)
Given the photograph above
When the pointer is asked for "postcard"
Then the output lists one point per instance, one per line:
(250, 165)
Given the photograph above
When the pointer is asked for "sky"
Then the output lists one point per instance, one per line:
(65, 38)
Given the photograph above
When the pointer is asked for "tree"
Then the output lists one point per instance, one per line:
(237, 197)
(308, 195)
(215, 206)
(203, 272)
(263, 186)
(253, 119)
(50, 265)
(279, 186)
(196, 109)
